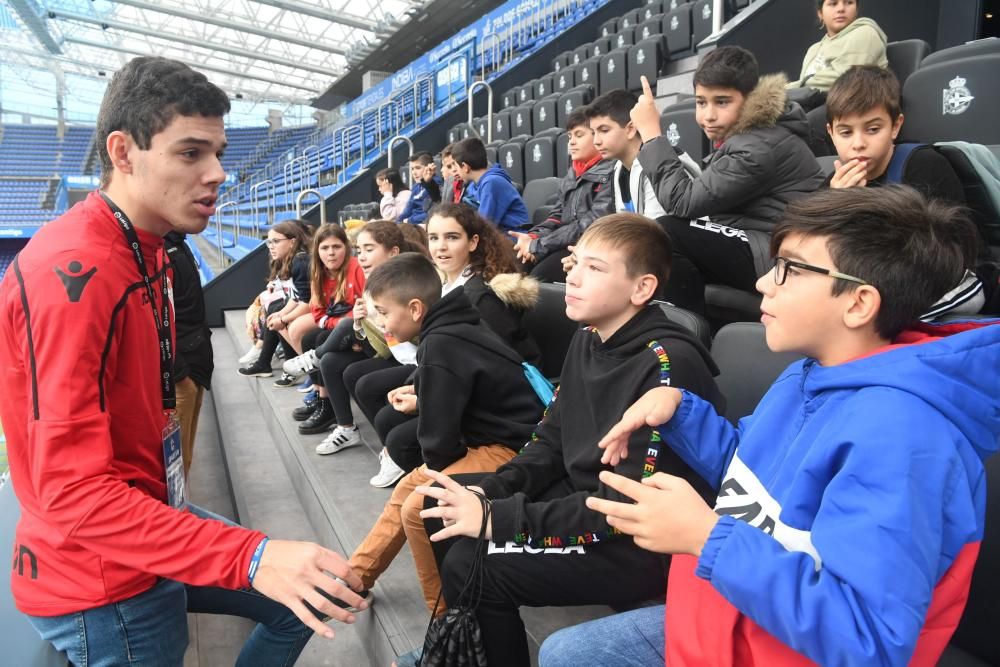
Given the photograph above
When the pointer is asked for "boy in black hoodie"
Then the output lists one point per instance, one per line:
(547, 547)
(474, 406)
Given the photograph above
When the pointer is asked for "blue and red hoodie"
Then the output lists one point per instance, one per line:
(852, 505)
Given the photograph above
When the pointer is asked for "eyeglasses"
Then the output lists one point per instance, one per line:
(781, 265)
(270, 243)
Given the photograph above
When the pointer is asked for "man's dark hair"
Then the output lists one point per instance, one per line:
(577, 118)
(861, 89)
(912, 250)
(470, 152)
(728, 67)
(643, 243)
(146, 95)
(406, 277)
(615, 104)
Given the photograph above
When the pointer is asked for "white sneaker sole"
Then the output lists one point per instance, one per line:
(386, 482)
(322, 451)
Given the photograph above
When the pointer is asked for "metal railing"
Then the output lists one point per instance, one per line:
(322, 203)
(394, 110)
(223, 259)
(345, 135)
(305, 153)
(489, 107)
(270, 208)
(392, 143)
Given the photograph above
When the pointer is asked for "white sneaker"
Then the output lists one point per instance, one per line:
(306, 362)
(388, 472)
(252, 355)
(341, 438)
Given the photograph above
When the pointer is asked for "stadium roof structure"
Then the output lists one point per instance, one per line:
(278, 52)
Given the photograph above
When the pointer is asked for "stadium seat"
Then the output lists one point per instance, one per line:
(651, 9)
(701, 21)
(580, 54)
(540, 158)
(501, 124)
(974, 642)
(539, 193)
(564, 79)
(562, 154)
(681, 128)
(589, 71)
(544, 86)
(905, 56)
(693, 323)
(562, 60)
(459, 132)
(747, 367)
(609, 28)
(671, 5)
(492, 154)
(977, 197)
(599, 47)
(511, 158)
(552, 330)
(526, 93)
(481, 126)
(574, 99)
(614, 70)
(826, 164)
(677, 27)
(977, 48)
(645, 59)
(544, 114)
(521, 119)
(954, 100)
(649, 27)
(509, 99)
(630, 20)
(623, 38)
(728, 304)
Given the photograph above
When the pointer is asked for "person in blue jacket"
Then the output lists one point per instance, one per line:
(851, 502)
(499, 201)
(425, 189)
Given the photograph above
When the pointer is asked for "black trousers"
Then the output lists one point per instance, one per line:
(310, 341)
(705, 252)
(270, 340)
(615, 573)
(332, 366)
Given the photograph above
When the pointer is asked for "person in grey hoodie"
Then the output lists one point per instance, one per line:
(720, 221)
(848, 41)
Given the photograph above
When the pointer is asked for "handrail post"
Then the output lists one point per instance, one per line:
(322, 204)
(255, 198)
(489, 104)
(392, 143)
(344, 150)
(223, 260)
(305, 152)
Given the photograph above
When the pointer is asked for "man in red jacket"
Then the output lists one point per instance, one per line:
(108, 555)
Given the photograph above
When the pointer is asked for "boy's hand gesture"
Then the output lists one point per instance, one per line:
(668, 516)
(360, 311)
(645, 115)
(403, 399)
(428, 172)
(458, 507)
(853, 173)
(569, 261)
(653, 408)
(522, 245)
(293, 573)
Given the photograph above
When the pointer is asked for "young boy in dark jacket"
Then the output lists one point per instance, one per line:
(585, 194)
(474, 406)
(722, 219)
(547, 547)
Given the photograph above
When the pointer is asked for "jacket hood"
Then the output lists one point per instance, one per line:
(860, 23)
(766, 104)
(515, 290)
(952, 367)
(494, 171)
(454, 308)
(649, 324)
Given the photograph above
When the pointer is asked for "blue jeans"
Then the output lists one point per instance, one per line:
(151, 628)
(632, 639)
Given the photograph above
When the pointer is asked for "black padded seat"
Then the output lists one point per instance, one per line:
(693, 323)
(521, 119)
(681, 128)
(978, 47)
(677, 28)
(562, 154)
(580, 54)
(646, 58)
(544, 86)
(599, 47)
(614, 70)
(501, 125)
(589, 71)
(511, 158)
(564, 79)
(540, 158)
(724, 304)
(552, 330)
(545, 114)
(905, 56)
(954, 100)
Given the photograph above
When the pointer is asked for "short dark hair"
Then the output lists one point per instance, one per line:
(644, 244)
(820, 3)
(446, 151)
(863, 88)
(615, 104)
(406, 277)
(577, 118)
(423, 157)
(471, 152)
(911, 249)
(728, 67)
(146, 95)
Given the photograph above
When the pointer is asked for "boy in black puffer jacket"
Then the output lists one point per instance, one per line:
(722, 219)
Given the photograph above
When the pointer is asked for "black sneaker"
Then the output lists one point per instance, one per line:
(305, 411)
(321, 419)
(256, 369)
(286, 380)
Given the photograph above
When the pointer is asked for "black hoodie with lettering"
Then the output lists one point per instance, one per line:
(471, 389)
(600, 380)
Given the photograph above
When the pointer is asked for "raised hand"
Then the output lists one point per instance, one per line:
(645, 116)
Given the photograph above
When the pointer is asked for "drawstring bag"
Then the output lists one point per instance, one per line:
(543, 388)
(455, 639)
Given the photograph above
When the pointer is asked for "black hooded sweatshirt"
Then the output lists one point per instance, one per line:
(600, 380)
(471, 389)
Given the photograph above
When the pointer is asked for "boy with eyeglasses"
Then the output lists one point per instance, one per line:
(851, 502)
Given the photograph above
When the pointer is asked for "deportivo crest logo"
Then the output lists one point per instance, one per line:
(597, 49)
(640, 56)
(542, 115)
(562, 81)
(956, 97)
(541, 89)
(576, 58)
(585, 74)
(673, 5)
(569, 106)
(673, 136)
(674, 23)
(621, 41)
(645, 32)
(509, 159)
(499, 125)
(524, 95)
(611, 66)
(74, 279)
(706, 12)
(536, 153)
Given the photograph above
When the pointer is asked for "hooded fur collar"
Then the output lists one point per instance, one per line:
(515, 290)
(764, 105)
